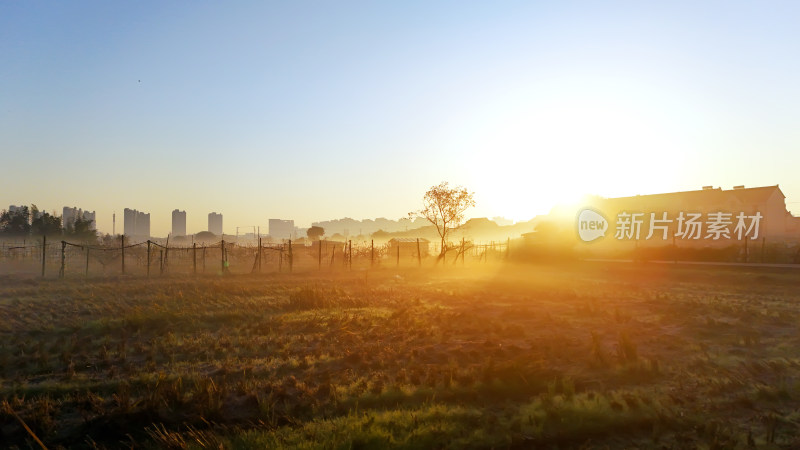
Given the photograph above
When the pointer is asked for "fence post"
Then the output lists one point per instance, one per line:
(63, 259)
(372, 252)
(350, 254)
(194, 258)
(122, 246)
(333, 254)
(222, 255)
(319, 254)
(44, 254)
(148, 257)
(398, 253)
(259, 254)
(87, 261)
(291, 257)
(419, 255)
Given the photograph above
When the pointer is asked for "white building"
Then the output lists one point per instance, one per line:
(136, 224)
(70, 215)
(281, 229)
(215, 223)
(178, 223)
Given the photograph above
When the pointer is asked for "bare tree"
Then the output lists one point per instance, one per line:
(444, 207)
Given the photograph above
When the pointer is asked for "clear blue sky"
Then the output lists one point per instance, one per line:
(313, 111)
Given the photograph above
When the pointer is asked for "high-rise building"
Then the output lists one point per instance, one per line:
(178, 223)
(281, 229)
(129, 221)
(136, 224)
(91, 216)
(70, 215)
(143, 225)
(215, 223)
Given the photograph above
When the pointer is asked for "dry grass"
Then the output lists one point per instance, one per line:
(505, 356)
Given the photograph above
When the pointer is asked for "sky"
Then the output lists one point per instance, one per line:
(321, 110)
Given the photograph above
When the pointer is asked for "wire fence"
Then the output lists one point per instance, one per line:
(62, 259)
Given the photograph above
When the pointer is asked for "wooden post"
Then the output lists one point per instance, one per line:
(194, 258)
(63, 259)
(259, 250)
(148, 257)
(222, 255)
(44, 253)
(333, 254)
(398, 253)
(122, 246)
(419, 255)
(319, 254)
(291, 257)
(87, 261)
(350, 254)
(372, 252)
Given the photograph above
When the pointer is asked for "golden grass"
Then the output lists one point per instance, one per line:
(498, 356)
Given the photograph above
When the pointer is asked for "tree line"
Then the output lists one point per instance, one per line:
(29, 221)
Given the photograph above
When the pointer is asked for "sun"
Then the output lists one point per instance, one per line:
(524, 161)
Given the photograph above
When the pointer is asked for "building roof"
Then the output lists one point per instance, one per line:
(698, 198)
(756, 195)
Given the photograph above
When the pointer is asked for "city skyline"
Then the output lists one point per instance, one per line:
(214, 221)
(356, 109)
(179, 227)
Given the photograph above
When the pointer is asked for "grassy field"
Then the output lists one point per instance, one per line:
(592, 356)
